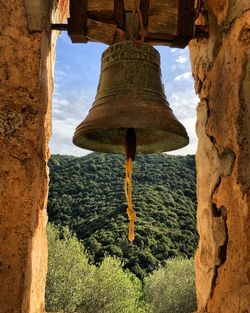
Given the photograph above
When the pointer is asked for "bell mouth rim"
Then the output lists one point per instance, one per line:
(85, 139)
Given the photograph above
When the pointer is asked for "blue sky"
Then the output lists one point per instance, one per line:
(77, 71)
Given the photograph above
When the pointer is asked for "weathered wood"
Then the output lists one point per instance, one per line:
(101, 10)
(129, 5)
(162, 18)
(101, 32)
(159, 42)
(100, 5)
(170, 22)
(145, 5)
(120, 35)
(119, 13)
(186, 15)
(185, 24)
(77, 21)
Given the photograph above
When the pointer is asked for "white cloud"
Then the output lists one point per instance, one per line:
(184, 76)
(181, 59)
(189, 124)
(56, 86)
(60, 75)
(183, 103)
(61, 102)
(66, 116)
(62, 134)
(173, 50)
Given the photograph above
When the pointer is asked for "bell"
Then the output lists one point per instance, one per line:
(130, 96)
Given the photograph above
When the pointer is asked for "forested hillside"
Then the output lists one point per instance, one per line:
(87, 195)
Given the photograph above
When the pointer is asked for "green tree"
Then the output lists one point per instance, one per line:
(171, 289)
(67, 271)
(109, 289)
(74, 285)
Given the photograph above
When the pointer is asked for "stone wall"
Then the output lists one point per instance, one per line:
(26, 63)
(221, 69)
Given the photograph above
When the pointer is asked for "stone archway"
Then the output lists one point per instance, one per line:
(221, 68)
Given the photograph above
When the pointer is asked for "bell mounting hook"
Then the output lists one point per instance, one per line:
(137, 12)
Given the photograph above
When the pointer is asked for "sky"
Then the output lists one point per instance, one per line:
(77, 72)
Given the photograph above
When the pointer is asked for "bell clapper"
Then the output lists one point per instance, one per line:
(130, 149)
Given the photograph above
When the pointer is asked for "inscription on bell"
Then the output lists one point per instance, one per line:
(130, 51)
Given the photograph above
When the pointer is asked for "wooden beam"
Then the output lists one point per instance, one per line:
(119, 14)
(101, 32)
(77, 21)
(185, 24)
(186, 13)
(170, 22)
(162, 18)
(100, 5)
(129, 5)
(101, 9)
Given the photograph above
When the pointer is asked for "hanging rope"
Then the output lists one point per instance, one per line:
(130, 150)
(128, 196)
(137, 12)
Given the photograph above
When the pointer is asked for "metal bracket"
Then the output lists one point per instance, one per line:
(77, 22)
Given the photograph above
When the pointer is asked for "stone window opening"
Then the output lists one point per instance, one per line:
(220, 66)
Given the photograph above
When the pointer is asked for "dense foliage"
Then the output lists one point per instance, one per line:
(68, 269)
(76, 286)
(87, 195)
(171, 288)
(73, 285)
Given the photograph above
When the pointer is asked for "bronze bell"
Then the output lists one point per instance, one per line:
(130, 95)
